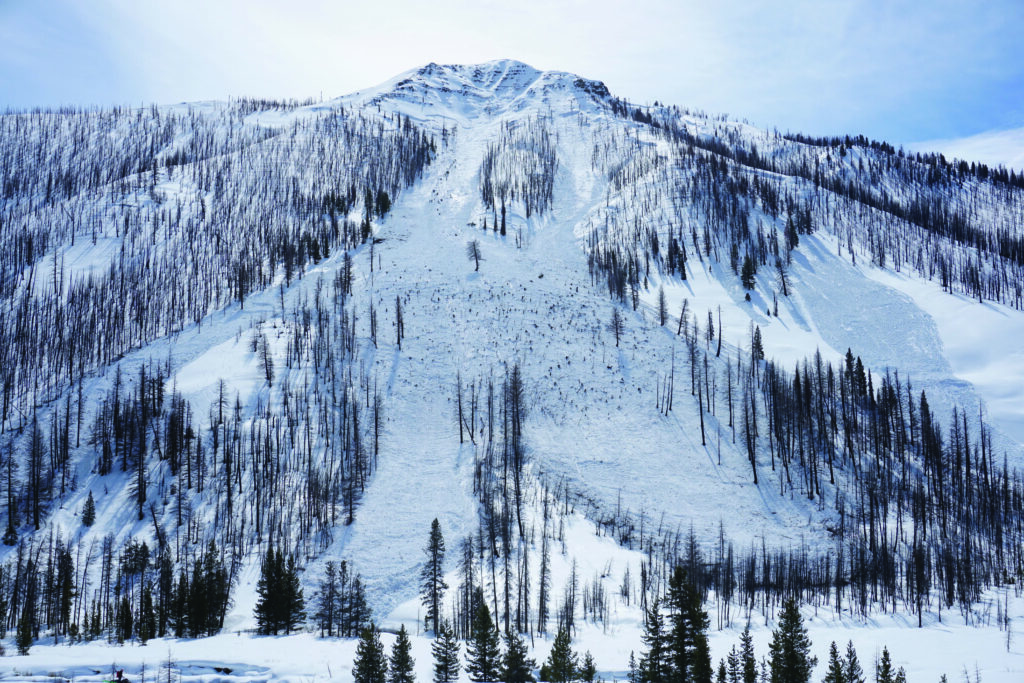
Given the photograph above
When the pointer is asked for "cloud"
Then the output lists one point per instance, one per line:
(995, 148)
(898, 70)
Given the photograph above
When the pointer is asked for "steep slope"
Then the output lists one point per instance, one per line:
(317, 323)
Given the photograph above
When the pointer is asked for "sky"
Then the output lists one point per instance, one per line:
(902, 71)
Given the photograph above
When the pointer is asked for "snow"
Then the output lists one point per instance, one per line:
(592, 419)
(994, 147)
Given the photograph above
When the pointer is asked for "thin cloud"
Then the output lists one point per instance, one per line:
(895, 70)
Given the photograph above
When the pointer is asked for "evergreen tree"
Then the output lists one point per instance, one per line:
(852, 671)
(293, 605)
(688, 649)
(588, 669)
(26, 627)
(747, 272)
(89, 511)
(483, 651)
(371, 664)
(432, 580)
(280, 605)
(655, 665)
(791, 661)
(883, 668)
(401, 665)
(836, 671)
(446, 654)
(748, 661)
(125, 621)
(147, 616)
(733, 661)
(268, 602)
(562, 661)
(516, 665)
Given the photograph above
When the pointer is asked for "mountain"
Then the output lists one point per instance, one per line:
(510, 301)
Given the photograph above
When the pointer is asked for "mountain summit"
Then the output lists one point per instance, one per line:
(256, 340)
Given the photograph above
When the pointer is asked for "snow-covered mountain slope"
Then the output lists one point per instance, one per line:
(295, 279)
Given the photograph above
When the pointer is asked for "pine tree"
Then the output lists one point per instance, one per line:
(655, 666)
(748, 661)
(147, 616)
(747, 272)
(516, 665)
(733, 661)
(634, 671)
(562, 661)
(883, 668)
(446, 654)
(89, 511)
(400, 669)
(268, 589)
(483, 651)
(293, 604)
(280, 605)
(26, 627)
(836, 671)
(588, 669)
(432, 580)
(687, 642)
(791, 661)
(371, 664)
(852, 671)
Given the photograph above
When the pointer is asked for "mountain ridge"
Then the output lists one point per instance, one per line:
(314, 259)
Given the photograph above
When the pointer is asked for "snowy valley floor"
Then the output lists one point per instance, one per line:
(979, 652)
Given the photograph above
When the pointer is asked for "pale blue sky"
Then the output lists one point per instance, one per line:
(902, 71)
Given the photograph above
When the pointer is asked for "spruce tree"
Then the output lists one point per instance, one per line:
(688, 649)
(26, 627)
(89, 511)
(836, 671)
(852, 671)
(562, 661)
(791, 661)
(733, 662)
(293, 608)
(483, 651)
(655, 665)
(446, 654)
(883, 668)
(747, 273)
(748, 661)
(400, 669)
(371, 664)
(267, 588)
(516, 665)
(588, 669)
(147, 616)
(432, 576)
